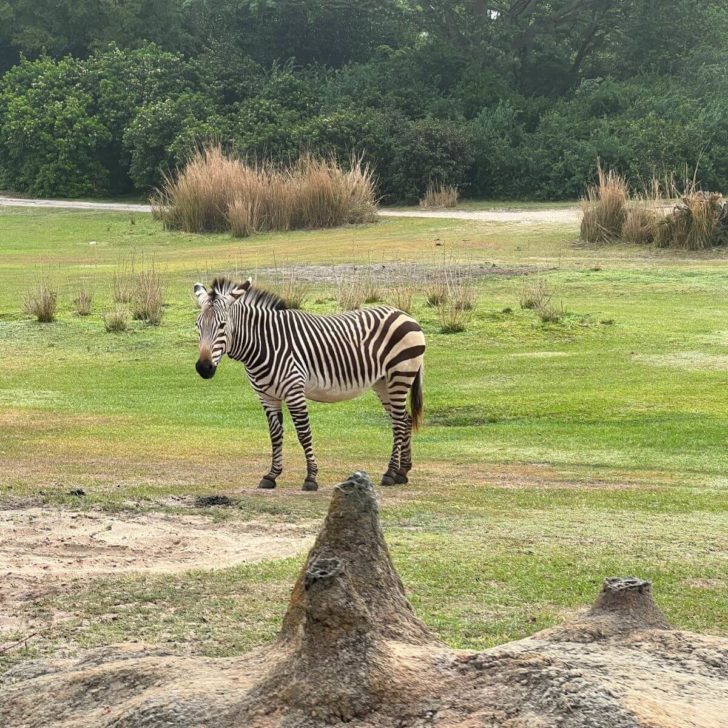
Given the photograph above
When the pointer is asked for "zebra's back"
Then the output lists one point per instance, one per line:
(341, 355)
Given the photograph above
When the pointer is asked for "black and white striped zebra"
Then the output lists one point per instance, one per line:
(291, 356)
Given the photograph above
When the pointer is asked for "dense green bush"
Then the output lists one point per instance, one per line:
(51, 141)
(514, 102)
(428, 151)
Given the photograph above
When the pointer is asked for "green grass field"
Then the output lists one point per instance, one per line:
(553, 455)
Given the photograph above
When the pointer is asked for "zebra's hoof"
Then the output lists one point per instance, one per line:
(310, 484)
(267, 484)
(401, 478)
(388, 479)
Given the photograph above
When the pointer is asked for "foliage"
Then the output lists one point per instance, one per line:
(50, 141)
(505, 100)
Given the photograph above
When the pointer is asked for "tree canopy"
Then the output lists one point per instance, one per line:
(503, 97)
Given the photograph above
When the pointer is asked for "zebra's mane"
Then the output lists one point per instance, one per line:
(254, 297)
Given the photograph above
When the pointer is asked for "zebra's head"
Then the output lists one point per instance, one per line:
(212, 321)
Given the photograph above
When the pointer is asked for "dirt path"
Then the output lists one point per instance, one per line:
(560, 215)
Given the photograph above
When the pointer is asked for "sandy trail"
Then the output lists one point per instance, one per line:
(43, 550)
(560, 215)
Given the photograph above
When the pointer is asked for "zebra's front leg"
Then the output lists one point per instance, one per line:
(299, 413)
(274, 413)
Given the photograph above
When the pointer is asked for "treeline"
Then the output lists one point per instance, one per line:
(503, 99)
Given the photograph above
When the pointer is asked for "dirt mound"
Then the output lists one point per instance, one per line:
(44, 549)
(352, 651)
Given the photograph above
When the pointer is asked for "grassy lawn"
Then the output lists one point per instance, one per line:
(554, 454)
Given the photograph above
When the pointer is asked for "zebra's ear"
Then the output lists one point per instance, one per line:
(200, 293)
(238, 290)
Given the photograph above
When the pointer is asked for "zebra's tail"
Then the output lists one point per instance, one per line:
(417, 403)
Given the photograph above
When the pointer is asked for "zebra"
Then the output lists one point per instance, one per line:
(291, 356)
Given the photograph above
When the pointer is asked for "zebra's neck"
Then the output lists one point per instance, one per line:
(249, 332)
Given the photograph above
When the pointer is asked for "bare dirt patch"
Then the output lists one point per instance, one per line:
(44, 550)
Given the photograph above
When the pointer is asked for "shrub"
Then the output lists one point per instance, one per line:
(535, 293)
(604, 207)
(116, 320)
(698, 221)
(439, 196)
(428, 151)
(42, 301)
(51, 141)
(82, 302)
(217, 192)
(148, 296)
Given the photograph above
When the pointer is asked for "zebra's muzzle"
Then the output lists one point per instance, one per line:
(205, 368)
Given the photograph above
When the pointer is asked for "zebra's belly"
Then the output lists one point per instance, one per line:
(333, 394)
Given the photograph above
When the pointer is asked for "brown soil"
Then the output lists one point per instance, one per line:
(43, 550)
(351, 651)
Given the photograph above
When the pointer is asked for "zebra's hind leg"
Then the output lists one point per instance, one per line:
(274, 414)
(393, 400)
(299, 413)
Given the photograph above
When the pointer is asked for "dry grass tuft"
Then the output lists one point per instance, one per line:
(291, 288)
(550, 312)
(371, 286)
(698, 221)
(456, 307)
(640, 222)
(117, 319)
(123, 281)
(402, 296)
(216, 192)
(537, 296)
(41, 302)
(82, 302)
(604, 207)
(148, 297)
(535, 293)
(439, 196)
(350, 293)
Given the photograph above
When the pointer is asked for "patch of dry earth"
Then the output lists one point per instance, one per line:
(44, 550)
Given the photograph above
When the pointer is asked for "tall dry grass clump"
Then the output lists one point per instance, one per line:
(456, 309)
(604, 207)
(198, 198)
(698, 221)
(216, 192)
(438, 196)
(643, 212)
(41, 301)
